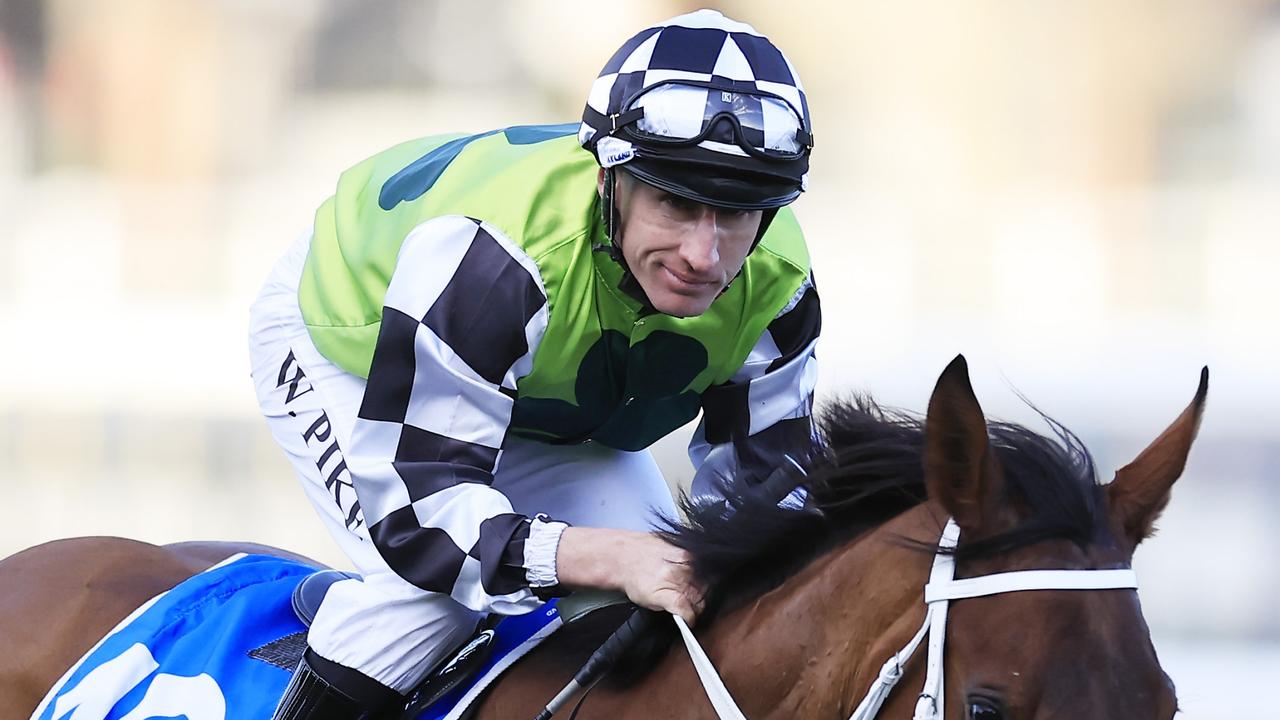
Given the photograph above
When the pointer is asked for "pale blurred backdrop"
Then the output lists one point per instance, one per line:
(1080, 195)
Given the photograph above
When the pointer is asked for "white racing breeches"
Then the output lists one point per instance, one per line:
(383, 626)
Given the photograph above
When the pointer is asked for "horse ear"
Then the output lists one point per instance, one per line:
(960, 470)
(1141, 489)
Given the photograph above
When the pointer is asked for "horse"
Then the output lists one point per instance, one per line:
(805, 601)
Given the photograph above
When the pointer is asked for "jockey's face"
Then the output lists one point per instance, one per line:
(683, 253)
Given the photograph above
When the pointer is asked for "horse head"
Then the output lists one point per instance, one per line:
(817, 609)
(1048, 653)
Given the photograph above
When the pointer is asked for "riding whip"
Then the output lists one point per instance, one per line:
(640, 622)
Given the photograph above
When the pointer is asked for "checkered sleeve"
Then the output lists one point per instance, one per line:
(764, 412)
(463, 314)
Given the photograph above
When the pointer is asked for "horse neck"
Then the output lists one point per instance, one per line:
(811, 647)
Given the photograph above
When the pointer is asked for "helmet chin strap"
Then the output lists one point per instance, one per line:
(612, 229)
(766, 219)
(607, 205)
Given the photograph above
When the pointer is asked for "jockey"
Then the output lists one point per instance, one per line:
(467, 355)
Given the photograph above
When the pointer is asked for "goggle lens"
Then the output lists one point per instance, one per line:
(677, 112)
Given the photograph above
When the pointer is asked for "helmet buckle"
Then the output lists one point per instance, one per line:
(622, 119)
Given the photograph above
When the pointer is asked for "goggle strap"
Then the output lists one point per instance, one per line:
(623, 119)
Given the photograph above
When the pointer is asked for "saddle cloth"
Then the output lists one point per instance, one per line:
(222, 644)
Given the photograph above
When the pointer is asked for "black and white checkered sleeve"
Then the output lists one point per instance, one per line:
(764, 412)
(463, 314)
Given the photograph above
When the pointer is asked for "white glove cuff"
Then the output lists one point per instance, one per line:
(540, 551)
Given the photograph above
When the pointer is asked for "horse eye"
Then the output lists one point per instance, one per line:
(982, 709)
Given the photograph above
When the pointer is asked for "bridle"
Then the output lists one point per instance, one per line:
(941, 589)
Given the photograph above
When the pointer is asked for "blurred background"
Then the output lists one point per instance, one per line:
(1083, 196)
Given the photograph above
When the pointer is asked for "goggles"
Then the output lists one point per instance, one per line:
(686, 113)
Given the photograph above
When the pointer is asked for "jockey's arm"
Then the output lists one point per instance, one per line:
(427, 435)
(462, 313)
(751, 424)
(650, 571)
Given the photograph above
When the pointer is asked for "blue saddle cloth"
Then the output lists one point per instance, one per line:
(213, 648)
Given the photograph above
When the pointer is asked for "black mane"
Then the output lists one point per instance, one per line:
(866, 468)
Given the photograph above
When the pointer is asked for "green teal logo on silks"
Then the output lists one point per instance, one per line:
(416, 179)
(628, 396)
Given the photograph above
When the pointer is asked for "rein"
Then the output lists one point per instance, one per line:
(940, 590)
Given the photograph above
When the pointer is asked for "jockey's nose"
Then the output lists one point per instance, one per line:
(701, 246)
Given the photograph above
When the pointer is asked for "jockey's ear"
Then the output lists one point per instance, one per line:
(1141, 489)
(961, 471)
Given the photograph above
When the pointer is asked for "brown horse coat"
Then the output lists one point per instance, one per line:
(806, 648)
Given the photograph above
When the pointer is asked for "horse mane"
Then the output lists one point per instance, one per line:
(864, 468)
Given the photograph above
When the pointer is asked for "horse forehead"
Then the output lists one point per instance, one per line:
(1109, 617)
(1060, 654)
(1044, 634)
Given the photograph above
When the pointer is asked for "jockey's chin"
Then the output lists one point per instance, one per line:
(671, 294)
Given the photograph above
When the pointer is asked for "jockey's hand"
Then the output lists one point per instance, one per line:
(652, 572)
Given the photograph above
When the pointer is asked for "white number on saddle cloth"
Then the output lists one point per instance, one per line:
(196, 698)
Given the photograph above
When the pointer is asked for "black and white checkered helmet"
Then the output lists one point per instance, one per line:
(704, 107)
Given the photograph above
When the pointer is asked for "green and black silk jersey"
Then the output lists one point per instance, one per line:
(467, 279)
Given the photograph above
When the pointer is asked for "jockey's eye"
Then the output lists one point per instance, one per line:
(981, 708)
(679, 204)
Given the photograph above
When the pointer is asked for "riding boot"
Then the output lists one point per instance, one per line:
(323, 690)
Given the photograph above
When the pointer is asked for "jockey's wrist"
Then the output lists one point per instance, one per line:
(593, 557)
(540, 550)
